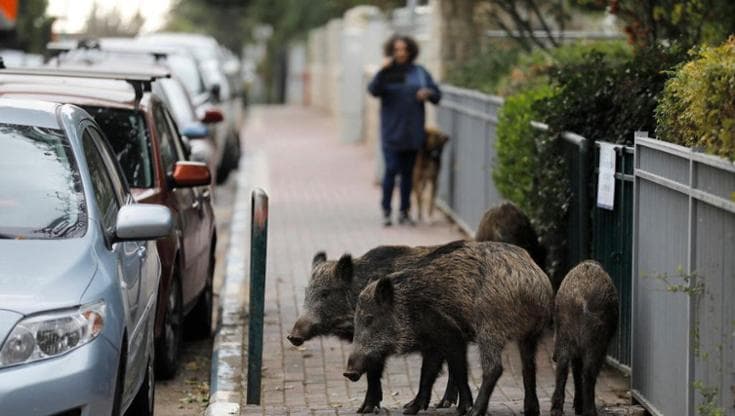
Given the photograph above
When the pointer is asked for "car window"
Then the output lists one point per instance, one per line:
(41, 193)
(186, 70)
(113, 168)
(179, 101)
(166, 141)
(104, 193)
(127, 133)
(173, 128)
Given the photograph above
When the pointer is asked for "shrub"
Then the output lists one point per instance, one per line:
(483, 72)
(516, 148)
(532, 69)
(697, 108)
(603, 97)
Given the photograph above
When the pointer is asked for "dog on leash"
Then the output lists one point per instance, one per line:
(426, 170)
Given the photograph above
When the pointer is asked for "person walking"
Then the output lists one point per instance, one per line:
(403, 87)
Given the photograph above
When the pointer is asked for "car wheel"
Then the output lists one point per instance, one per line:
(230, 159)
(144, 400)
(200, 324)
(168, 346)
(119, 383)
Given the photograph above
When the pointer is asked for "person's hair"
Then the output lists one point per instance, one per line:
(411, 45)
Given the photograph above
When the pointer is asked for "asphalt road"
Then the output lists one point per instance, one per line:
(188, 392)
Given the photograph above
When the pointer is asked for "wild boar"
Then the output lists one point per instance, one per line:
(509, 224)
(487, 292)
(331, 296)
(585, 320)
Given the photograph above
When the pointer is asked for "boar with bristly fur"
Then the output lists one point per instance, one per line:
(331, 296)
(485, 292)
(509, 224)
(585, 320)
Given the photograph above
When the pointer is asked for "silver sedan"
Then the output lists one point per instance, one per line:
(78, 272)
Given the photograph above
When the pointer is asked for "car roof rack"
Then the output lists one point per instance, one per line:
(140, 81)
(159, 53)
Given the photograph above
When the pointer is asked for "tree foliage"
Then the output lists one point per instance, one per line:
(110, 23)
(685, 23)
(33, 26)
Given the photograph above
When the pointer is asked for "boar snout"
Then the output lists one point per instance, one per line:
(295, 340)
(355, 367)
(303, 330)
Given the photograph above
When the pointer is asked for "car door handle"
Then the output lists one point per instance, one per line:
(142, 252)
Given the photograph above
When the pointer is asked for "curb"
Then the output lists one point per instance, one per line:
(225, 391)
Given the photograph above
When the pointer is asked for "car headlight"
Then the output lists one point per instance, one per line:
(51, 334)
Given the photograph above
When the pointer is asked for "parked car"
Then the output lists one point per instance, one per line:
(78, 274)
(152, 156)
(196, 123)
(212, 63)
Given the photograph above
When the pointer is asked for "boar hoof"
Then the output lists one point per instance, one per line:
(531, 411)
(556, 412)
(413, 407)
(445, 403)
(369, 408)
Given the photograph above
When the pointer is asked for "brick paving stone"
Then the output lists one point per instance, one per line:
(322, 197)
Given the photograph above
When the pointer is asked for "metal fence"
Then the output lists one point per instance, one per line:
(466, 188)
(683, 279)
(612, 244)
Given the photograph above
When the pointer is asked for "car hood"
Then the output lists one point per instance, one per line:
(41, 275)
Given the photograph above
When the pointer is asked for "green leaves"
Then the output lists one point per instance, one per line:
(697, 108)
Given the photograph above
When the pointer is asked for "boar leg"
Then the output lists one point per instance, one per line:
(492, 369)
(457, 363)
(528, 348)
(430, 367)
(374, 394)
(590, 370)
(578, 390)
(562, 371)
(450, 394)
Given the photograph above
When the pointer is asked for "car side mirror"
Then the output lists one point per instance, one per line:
(191, 174)
(137, 222)
(196, 130)
(212, 115)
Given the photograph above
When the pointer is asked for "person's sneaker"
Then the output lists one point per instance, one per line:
(405, 219)
(387, 222)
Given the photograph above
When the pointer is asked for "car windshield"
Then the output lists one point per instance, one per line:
(127, 133)
(178, 101)
(41, 194)
(185, 69)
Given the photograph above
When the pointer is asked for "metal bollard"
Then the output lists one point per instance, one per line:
(258, 247)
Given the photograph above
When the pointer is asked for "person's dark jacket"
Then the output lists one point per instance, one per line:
(402, 115)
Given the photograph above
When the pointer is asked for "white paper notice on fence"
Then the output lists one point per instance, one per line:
(606, 177)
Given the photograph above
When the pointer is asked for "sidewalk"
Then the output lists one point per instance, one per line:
(322, 198)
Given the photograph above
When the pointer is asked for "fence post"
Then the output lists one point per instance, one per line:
(258, 247)
(584, 203)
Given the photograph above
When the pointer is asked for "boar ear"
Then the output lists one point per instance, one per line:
(319, 257)
(384, 291)
(344, 269)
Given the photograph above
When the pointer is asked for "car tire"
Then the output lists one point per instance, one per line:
(119, 383)
(168, 347)
(144, 401)
(200, 318)
(230, 159)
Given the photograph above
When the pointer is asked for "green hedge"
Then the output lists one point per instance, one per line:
(698, 105)
(516, 146)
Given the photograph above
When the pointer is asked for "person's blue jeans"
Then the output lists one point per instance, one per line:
(398, 163)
